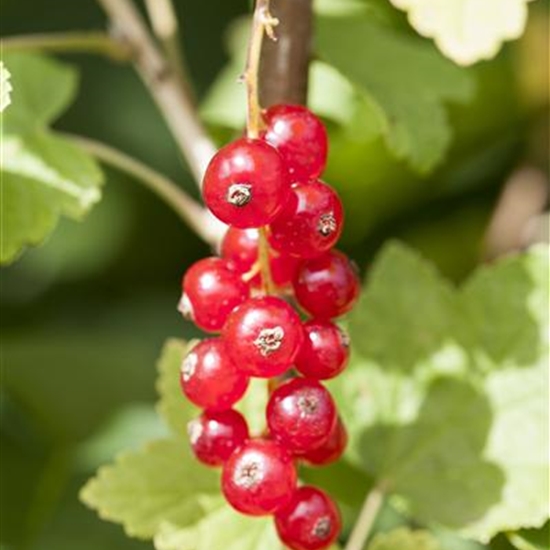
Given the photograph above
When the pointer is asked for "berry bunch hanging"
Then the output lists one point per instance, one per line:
(271, 299)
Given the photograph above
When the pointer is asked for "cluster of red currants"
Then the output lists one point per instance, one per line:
(268, 188)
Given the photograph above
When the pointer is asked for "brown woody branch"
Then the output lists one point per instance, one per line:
(285, 63)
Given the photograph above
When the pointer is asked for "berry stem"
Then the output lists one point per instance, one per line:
(262, 22)
(263, 259)
(367, 516)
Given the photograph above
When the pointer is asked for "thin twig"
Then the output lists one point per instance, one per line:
(262, 23)
(167, 29)
(199, 219)
(97, 42)
(367, 516)
(173, 101)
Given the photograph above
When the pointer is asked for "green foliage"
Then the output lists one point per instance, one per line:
(531, 539)
(43, 174)
(406, 79)
(162, 492)
(404, 539)
(458, 35)
(458, 434)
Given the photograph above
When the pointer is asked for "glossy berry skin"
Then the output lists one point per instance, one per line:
(214, 435)
(325, 351)
(327, 286)
(263, 336)
(259, 478)
(209, 378)
(211, 290)
(331, 450)
(301, 139)
(310, 522)
(246, 183)
(301, 414)
(240, 248)
(310, 223)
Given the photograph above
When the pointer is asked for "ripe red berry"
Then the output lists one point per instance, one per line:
(209, 378)
(325, 351)
(211, 290)
(301, 139)
(331, 450)
(259, 478)
(246, 183)
(301, 415)
(240, 248)
(263, 336)
(310, 522)
(214, 435)
(311, 221)
(327, 286)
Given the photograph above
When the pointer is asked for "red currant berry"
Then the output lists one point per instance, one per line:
(263, 336)
(310, 522)
(211, 290)
(301, 414)
(325, 351)
(283, 268)
(240, 248)
(214, 435)
(331, 450)
(209, 378)
(301, 139)
(259, 478)
(327, 286)
(311, 221)
(246, 183)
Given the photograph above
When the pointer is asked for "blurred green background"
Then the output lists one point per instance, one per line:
(84, 317)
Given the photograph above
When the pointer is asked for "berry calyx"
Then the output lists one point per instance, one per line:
(263, 336)
(327, 286)
(211, 290)
(311, 521)
(259, 478)
(311, 221)
(301, 415)
(301, 139)
(246, 183)
(325, 351)
(209, 378)
(331, 450)
(214, 435)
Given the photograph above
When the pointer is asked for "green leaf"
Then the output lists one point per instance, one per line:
(404, 539)
(44, 88)
(162, 492)
(452, 416)
(388, 311)
(43, 175)
(407, 80)
(531, 539)
(162, 483)
(463, 34)
(221, 528)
